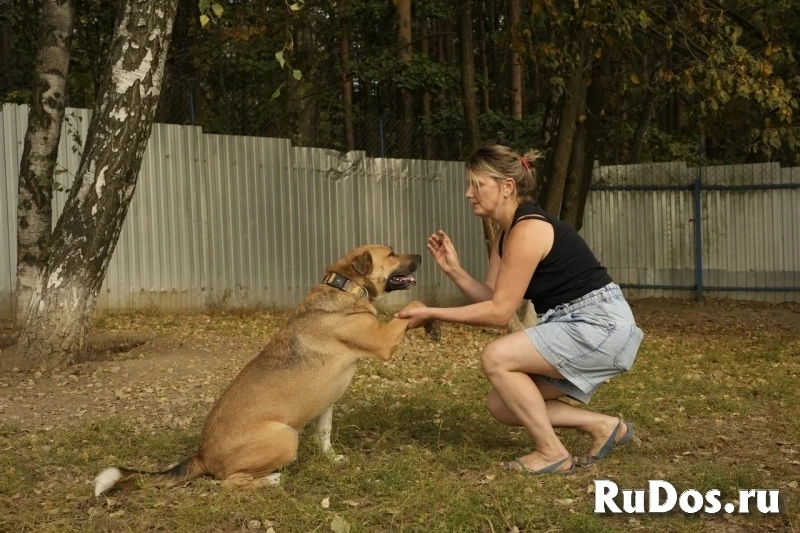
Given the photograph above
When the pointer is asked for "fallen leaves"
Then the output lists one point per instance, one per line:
(339, 525)
(173, 380)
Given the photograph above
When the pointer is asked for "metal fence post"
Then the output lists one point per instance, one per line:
(698, 225)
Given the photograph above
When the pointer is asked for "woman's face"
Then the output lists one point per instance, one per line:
(485, 194)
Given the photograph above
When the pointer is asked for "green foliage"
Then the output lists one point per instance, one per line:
(522, 135)
(728, 69)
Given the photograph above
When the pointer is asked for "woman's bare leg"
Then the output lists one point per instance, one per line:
(561, 415)
(507, 362)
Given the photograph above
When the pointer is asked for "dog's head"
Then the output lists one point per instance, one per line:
(378, 269)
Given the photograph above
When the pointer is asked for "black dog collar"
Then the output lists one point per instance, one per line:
(343, 284)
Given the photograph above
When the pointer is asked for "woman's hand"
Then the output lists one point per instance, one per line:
(443, 252)
(416, 313)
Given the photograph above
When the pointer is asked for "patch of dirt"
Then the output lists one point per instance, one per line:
(164, 371)
(100, 346)
(159, 377)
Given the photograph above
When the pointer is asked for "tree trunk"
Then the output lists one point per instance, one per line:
(679, 116)
(347, 86)
(468, 96)
(648, 110)
(558, 161)
(484, 65)
(428, 145)
(574, 180)
(450, 41)
(550, 122)
(496, 62)
(441, 48)
(405, 53)
(35, 188)
(6, 61)
(304, 104)
(640, 134)
(552, 114)
(571, 207)
(515, 89)
(443, 96)
(578, 192)
(78, 253)
(468, 90)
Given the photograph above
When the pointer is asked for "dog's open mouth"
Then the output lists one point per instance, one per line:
(400, 282)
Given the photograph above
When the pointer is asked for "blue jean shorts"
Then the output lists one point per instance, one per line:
(588, 340)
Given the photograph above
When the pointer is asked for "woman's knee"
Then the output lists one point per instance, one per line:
(492, 358)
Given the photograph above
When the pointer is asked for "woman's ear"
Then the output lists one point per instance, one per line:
(509, 187)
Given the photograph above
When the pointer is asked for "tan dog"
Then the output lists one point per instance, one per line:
(305, 368)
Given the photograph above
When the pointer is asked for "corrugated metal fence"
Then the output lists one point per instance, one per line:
(641, 222)
(229, 221)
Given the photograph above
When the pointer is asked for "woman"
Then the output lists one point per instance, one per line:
(586, 332)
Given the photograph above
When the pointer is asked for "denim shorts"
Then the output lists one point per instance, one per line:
(588, 340)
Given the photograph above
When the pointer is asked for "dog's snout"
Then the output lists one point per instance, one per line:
(418, 258)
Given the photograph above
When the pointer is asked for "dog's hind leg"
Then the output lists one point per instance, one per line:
(247, 481)
(254, 462)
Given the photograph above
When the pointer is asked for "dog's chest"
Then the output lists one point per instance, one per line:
(340, 383)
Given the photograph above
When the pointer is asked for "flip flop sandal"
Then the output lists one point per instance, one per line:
(611, 443)
(550, 469)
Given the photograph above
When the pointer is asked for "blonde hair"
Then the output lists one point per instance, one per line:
(501, 162)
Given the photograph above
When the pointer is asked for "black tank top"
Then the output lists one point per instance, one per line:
(568, 272)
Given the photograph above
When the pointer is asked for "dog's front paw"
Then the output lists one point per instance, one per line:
(413, 305)
(333, 456)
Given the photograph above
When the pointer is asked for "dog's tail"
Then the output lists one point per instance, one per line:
(124, 478)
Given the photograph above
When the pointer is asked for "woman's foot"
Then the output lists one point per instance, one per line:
(537, 463)
(607, 438)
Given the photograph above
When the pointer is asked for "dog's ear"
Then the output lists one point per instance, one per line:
(363, 263)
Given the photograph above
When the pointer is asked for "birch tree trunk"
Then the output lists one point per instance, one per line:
(76, 259)
(35, 188)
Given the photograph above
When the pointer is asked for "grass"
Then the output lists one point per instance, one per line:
(710, 411)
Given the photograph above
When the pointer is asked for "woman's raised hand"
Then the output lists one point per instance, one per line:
(443, 251)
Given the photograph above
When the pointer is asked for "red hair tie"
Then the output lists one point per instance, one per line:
(524, 163)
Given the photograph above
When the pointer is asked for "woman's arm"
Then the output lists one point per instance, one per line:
(474, 289)
(524, 248)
